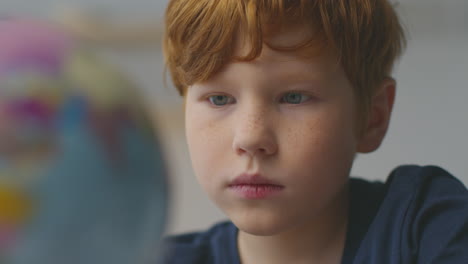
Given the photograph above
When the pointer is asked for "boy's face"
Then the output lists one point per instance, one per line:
(287, 125)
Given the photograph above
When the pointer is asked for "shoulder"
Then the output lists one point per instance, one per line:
(437, 212)
(425, 194)
(200, 247)
(414, 188)
(426, 180)
(421, 217)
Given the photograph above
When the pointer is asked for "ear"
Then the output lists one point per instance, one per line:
(379, 117)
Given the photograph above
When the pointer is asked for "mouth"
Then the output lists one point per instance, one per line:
(254, 186)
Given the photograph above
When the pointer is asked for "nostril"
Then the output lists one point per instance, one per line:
(254, 149)
(262, 150)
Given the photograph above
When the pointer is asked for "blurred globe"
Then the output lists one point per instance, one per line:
(81, 172)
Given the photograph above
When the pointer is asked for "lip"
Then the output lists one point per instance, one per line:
(254, 186)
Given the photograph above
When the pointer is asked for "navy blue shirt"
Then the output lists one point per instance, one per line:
(419, 215)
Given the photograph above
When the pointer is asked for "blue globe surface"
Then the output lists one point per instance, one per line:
(82, 177)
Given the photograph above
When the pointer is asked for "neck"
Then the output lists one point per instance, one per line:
(319, 240)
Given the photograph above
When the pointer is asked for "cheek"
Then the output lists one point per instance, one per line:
(322, 151)
(321, 155)
(207, 142)
(328, 134)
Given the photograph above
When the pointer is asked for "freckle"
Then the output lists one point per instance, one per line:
(292, 134)
(209, 126)
(253, 121)
(313, 125)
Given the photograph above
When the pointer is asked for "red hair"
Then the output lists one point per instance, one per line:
(366, 36)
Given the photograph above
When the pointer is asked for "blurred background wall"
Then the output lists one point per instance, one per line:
(430, 120)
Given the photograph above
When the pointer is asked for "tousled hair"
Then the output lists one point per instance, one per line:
(365, 35)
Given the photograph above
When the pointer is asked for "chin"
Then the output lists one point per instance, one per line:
(258, 231)
(261, 225)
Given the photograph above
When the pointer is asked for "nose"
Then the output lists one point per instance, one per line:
(254, 136)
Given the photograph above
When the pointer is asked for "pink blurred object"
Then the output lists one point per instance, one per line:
(29, 42)
(7, 237)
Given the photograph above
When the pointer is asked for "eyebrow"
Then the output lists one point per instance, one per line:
(203, 87)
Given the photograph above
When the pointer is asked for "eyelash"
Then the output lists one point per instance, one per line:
(231, 100)
(307, 97)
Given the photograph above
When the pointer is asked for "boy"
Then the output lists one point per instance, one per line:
(279, 98)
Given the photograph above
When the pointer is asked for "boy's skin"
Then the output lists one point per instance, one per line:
(305, 143)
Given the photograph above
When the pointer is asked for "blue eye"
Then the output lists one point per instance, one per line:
(220, 100)
(294, 98)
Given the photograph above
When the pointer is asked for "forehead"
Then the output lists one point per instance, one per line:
(275, 66)
(279, 53)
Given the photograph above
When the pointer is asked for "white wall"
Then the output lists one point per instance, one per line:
(429, 125)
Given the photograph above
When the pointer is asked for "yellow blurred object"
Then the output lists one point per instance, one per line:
(47, 90)
(15, 206)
